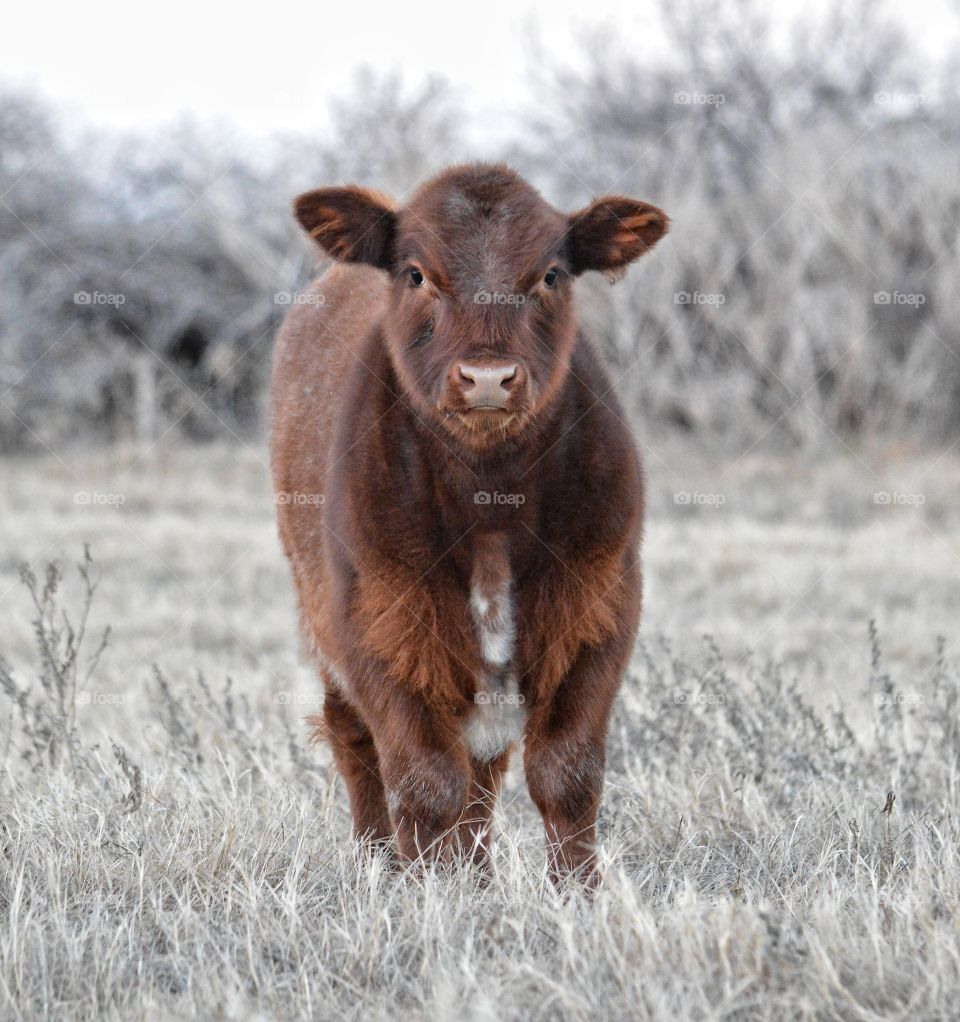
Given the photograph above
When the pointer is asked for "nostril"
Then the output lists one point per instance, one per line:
(508, 375)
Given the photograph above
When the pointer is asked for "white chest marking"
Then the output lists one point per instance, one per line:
(493, 613)
(499, 717)
(498, 720)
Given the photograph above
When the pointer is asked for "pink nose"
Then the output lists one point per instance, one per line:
(487, 386)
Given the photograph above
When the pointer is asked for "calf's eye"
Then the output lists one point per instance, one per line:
(417, 277)
(550, 278)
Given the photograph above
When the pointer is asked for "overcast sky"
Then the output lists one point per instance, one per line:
(275, 64)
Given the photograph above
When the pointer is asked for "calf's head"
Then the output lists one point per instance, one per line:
(481, 322)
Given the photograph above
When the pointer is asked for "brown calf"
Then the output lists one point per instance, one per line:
(461, 503)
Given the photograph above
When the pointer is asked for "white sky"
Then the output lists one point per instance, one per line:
(276, 64)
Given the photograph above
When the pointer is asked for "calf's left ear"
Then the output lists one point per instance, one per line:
(354, 225)
(612, 232)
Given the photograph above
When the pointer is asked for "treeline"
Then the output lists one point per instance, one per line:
(808, 288)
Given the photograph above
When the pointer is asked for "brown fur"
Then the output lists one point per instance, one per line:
(419, 596)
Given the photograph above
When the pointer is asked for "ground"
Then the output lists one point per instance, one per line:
(173, 847)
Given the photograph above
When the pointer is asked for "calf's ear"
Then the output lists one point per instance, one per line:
(354, 225)
(612, 232)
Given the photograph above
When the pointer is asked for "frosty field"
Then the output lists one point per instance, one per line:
(172, 847)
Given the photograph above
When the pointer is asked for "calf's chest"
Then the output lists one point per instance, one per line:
(498, 717)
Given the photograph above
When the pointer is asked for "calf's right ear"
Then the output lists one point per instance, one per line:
(354, 225)
(612, 232)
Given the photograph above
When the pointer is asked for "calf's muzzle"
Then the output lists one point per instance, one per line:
(487, 384)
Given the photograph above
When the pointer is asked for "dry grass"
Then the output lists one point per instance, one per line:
(173, 849)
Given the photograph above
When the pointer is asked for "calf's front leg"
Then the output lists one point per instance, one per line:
(565, 755)
(426, 773)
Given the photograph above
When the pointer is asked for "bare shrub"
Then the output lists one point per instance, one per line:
(48, 711)
(811, 173)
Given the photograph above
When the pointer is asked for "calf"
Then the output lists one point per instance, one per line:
(460, 501)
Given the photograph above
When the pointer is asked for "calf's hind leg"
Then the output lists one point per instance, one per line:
(356, 758)
(476, 823)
